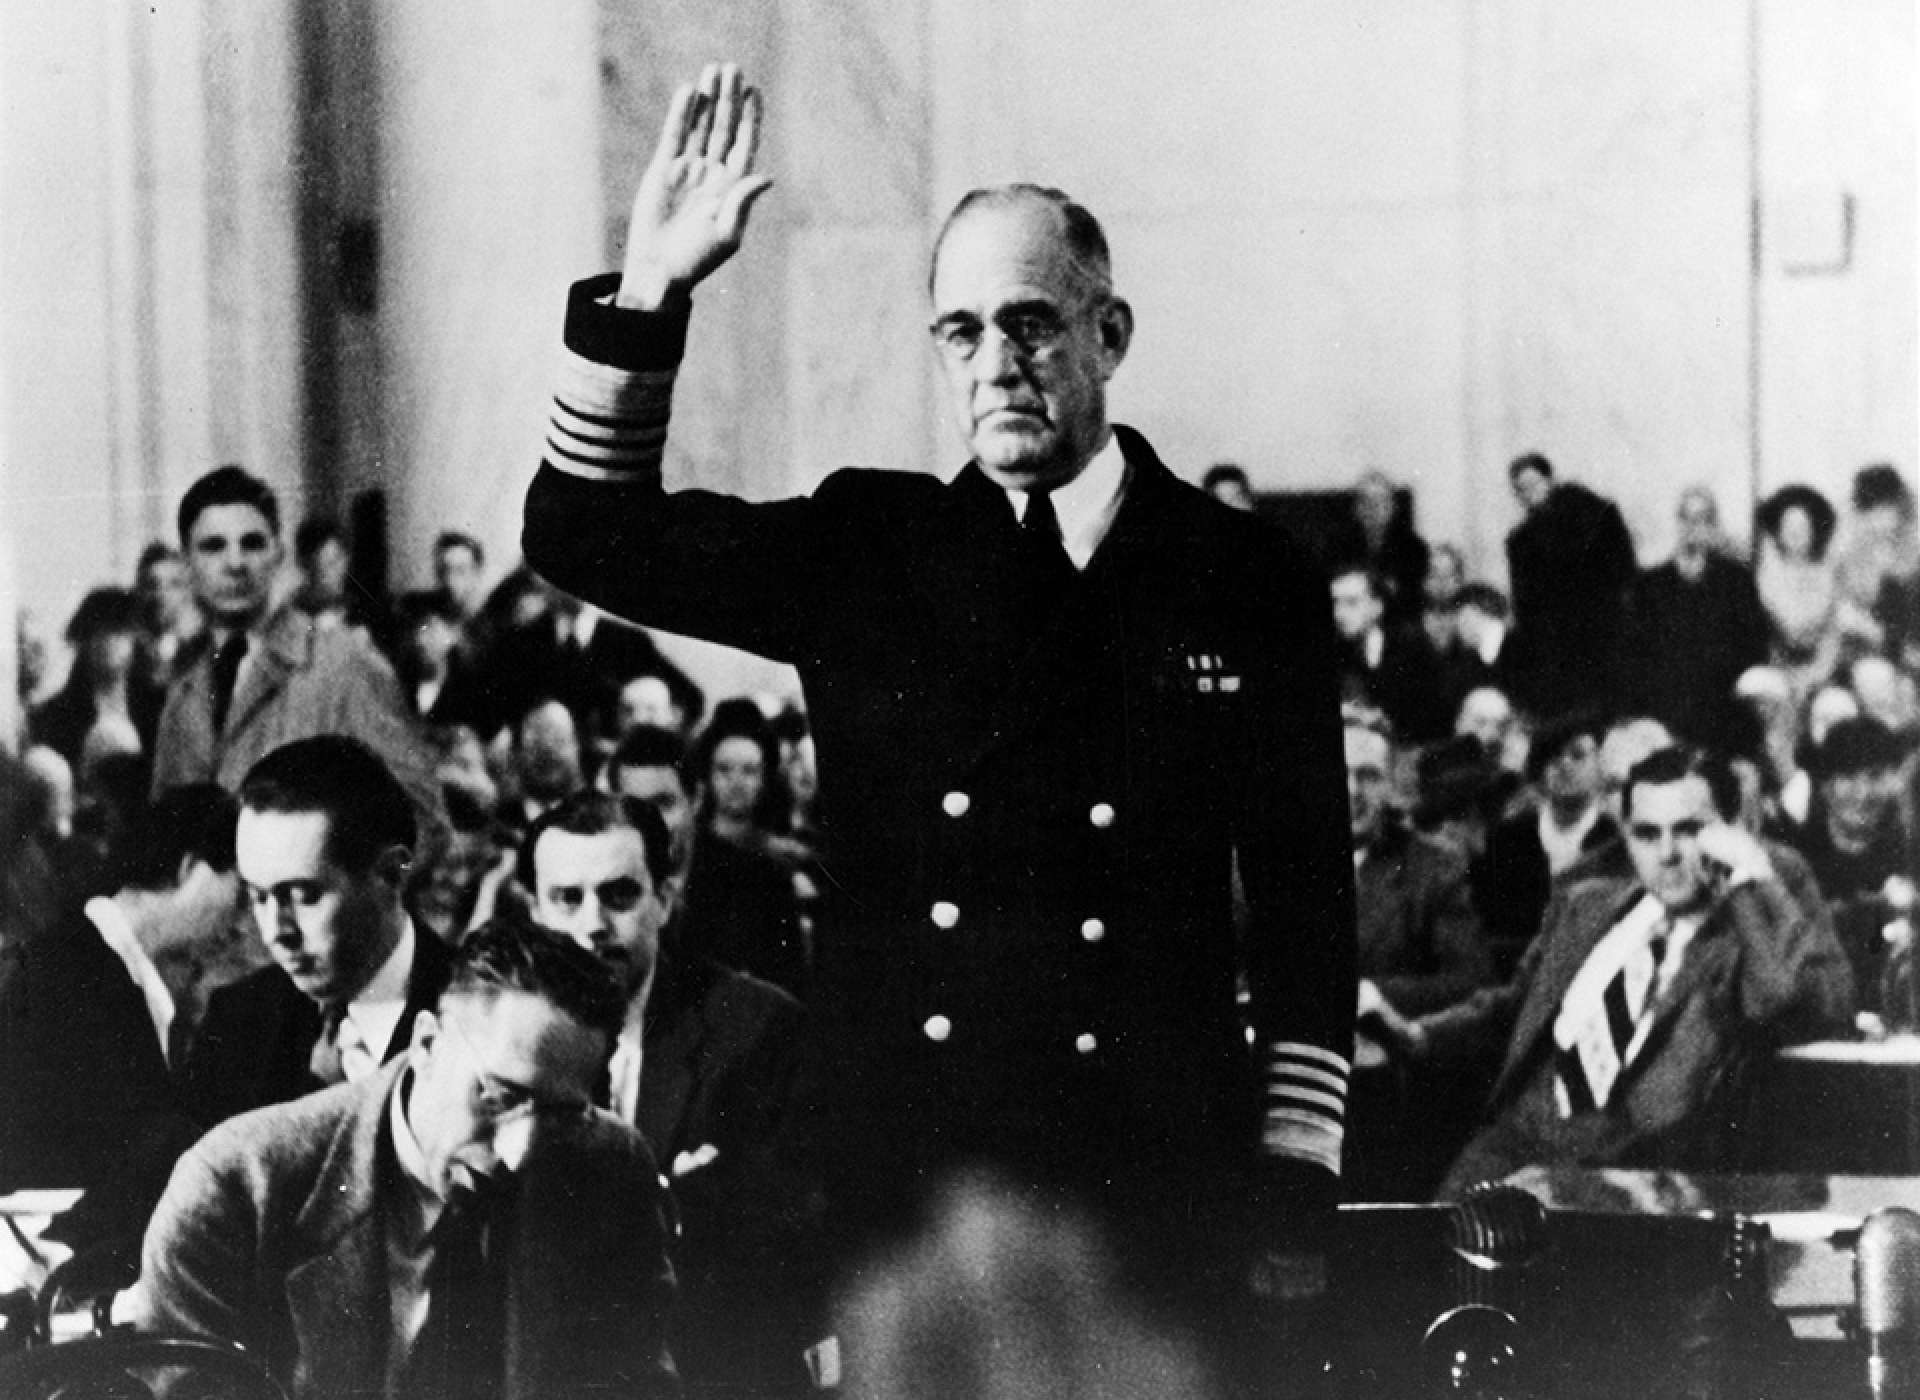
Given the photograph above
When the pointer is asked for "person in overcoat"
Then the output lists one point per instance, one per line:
(1057, 702)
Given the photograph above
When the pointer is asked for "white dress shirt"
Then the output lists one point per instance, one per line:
(116, 931)
(374, 1015)
(1086, 505)
(409, 1233)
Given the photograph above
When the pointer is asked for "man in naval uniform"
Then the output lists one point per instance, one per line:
(1056, 700)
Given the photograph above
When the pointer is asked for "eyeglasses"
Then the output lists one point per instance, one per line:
(1030, 328)
(499, 1103)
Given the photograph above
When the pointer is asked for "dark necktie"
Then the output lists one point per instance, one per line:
(325, 1062)
(1041, 527)
(227, 657)
(460, 1353)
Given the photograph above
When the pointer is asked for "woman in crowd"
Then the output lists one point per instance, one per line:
(1882, 557)
(741, 904)
(105, 698)
(1797, 586)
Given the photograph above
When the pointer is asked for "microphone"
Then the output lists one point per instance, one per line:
(1473, 1351)
(1886, 1285)
(1476, 1348)
(1498, 1231)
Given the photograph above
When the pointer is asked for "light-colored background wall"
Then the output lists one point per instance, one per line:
(1662, 243)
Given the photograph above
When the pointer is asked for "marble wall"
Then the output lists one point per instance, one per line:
(1660, 243)
(1418, 237)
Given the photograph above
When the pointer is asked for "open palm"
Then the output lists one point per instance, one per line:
(691, 208)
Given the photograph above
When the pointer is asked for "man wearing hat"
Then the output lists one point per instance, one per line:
(1856, 839)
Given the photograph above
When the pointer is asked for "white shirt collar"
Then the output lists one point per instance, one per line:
(117, 932)
(377, 1010)
(425, 1198)
(1087, 504)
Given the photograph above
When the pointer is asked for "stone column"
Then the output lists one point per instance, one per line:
(489, 206)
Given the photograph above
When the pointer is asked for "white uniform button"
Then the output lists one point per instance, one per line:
(1085, 1043)
(1101, 814)
(937, 1028)
(955, 804)
(1093, 930)
(945, 915)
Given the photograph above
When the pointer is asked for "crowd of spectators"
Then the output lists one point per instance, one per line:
(1497, 735)
(1504, 753)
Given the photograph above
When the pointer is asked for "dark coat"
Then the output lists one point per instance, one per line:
(1420, 939)
(1571, 563)
(1513, 879)
(722, 1069)
(742, 911)
(63, 722)
(254, 1046)
(272, 1234)
(1687, 643)
(84, 1093)
(1407, 684)
(1030, 803)
(1763, 970)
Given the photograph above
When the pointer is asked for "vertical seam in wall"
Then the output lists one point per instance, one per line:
(1755, 250)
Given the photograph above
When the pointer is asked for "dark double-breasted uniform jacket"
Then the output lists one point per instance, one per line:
(1032, 796)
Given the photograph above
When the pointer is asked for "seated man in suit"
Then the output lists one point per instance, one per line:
(1637, 1011)
(1420, 949)
(86, 1019)
(323, 843)
(463, 1223)
(704, 1066)
(1387, 665)
(1541, 839)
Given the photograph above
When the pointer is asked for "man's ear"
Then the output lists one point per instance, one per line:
(426, 1030)
(1116, 331)
(392, 864)
(669, 892)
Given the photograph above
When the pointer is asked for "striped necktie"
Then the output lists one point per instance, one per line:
(1606, 1038)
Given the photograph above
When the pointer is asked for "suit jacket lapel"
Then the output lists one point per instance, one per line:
(432, 962)
(667, 1080)
(285, 647)
(1562, 960)
(338, 1290)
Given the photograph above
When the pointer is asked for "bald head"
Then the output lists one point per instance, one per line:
(1077, 232)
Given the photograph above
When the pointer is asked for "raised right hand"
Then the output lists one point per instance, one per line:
(692, 205)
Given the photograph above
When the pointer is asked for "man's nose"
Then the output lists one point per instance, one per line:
(286, 928)
(998, 360)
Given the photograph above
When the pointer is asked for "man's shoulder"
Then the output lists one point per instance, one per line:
(282, 1141)
(735, 1010)
(742, 996)
(337, 654)
(264, 988)
(1433, 861)
(1600, 897)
